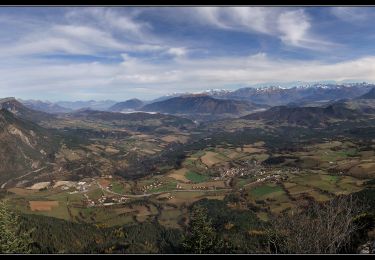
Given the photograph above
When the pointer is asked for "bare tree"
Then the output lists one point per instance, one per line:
(319, 228)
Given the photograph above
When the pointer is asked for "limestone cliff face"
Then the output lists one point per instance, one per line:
(24, 145)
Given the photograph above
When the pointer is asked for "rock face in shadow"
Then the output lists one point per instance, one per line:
(200, 104)
(305, 116)
(368, 95)
(131, 104)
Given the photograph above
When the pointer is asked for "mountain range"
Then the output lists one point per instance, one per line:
(368, 95)
(282, 96)
(201, 104)
(23, 112)
(45, 106)
(219, 102)
(306, 116)
(315, 116)
(131, 104)
(92, 104)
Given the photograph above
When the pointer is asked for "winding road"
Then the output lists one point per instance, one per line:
(151, 194)
(20, 177)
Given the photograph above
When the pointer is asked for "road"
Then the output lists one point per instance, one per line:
(154, 193)
(20, 177)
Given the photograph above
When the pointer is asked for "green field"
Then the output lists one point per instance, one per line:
(265, 189)
(242, 182)
(196, 177)
(118, 188)
(331, 178)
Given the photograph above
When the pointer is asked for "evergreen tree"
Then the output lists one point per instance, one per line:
(11, 239)
(202, 237)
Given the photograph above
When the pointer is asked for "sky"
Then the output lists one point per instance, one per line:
(118, 53)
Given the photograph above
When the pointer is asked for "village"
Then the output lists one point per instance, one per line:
(151, 186)
(257, 172)
(83, 187)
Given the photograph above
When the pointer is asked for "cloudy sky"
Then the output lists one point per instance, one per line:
(84, 53)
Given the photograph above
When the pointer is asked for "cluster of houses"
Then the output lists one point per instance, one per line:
(83, 186)
(232, 172)
(90, 203)
(279, 175)
(154, 185)
(293, 170)
(239, 172)
(105, 201)
(276, 177)
(200, 188)
(119, 199)
(170, 196)
(254, 169)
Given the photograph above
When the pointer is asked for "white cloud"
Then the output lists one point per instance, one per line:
(236, 18)
(133, 76)
(177, 51)
(70, 39)
(352, 14)
(111, 19)
(152, 65)
(291, 26)
(95, 31)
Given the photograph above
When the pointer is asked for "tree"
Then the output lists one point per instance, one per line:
(11, 239)
(202, 237)
(321, 228)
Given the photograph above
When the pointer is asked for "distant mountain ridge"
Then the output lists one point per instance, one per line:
(270, 95)
(368, 95)
(23, 112)
(282, 96)
(277, 95)
(200, 104)
(45, 106)
(131, 104)
(306, 116)
(137, 121)
(96, 105)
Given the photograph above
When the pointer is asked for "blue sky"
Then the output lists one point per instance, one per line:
(82, 53)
